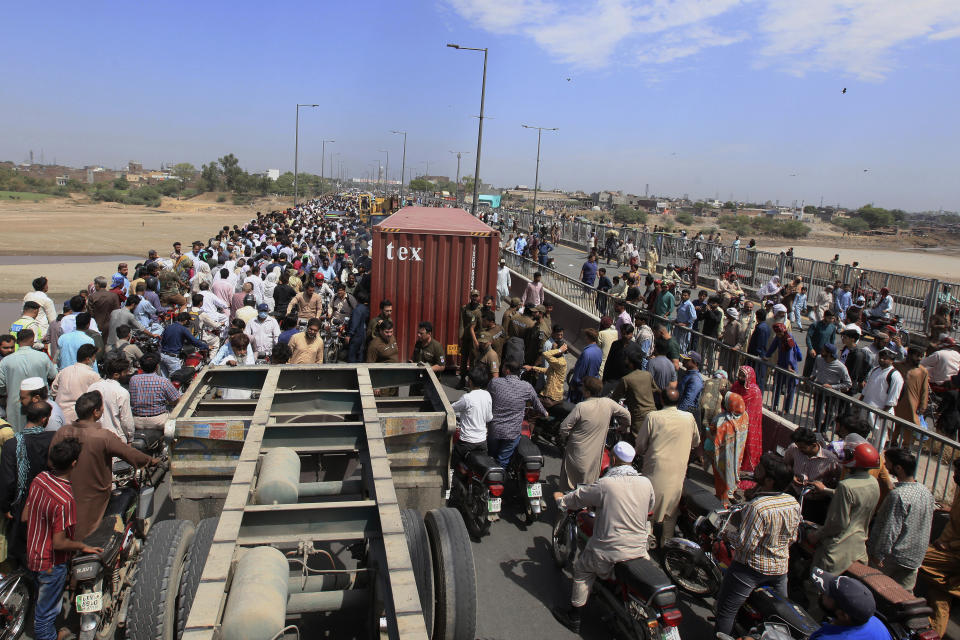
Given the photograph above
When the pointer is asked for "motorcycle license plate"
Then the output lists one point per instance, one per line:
(670, 633)
(493, 505)
(89, 602)
(534, 490)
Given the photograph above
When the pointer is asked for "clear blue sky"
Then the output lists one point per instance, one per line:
(707, 97)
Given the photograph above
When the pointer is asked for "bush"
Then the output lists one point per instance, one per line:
(221, 198)
(684, 218)
(240, 198)
(851, 225)
(629, 215)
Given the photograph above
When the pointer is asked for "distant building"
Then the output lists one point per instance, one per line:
(273, 174)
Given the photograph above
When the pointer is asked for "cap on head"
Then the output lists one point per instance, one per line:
(263, 307)
(693, 355)
(32, 384)
(779, 308)
(624, 451)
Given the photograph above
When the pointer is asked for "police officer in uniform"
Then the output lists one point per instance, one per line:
(426, 350)
(383, 348)
(521, 323)
(508, 315)
(469, 326)
(386, 313)
(498, 336)
(489, 361)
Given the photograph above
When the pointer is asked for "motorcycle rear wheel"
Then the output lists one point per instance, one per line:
(688, 572)
(18, 603)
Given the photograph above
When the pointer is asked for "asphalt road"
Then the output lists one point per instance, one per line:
(518, 582)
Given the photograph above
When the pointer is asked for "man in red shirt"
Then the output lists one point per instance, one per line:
(51, 514)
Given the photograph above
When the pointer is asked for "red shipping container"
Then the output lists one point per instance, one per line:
(426, 260)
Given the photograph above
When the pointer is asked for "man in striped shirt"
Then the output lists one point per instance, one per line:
(769, 525)
(51, 515)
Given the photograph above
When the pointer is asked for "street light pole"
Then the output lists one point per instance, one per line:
(459, 153)
(323, 160)
(536, 177)
(386, 173)
(483, 92)
(333, 172)
(403, 163)
(296, 150)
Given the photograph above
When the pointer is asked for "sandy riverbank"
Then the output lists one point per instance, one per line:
(942, 263)
(64, 227)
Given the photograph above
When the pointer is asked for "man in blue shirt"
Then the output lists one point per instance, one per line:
(820, 333)
(686, 318)
(842, 300)
(758, 346)
(172, 340)
(588, 365)
(588, 273)
(851, 606)
(691, 384)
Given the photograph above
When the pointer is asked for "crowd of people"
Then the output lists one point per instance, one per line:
(77, 383)
(79, 379)
(645, 353)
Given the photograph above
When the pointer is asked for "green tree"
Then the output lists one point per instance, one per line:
(684, 218)
(729, 205)
(629, 215)
(121, 183)
(810, 209)
(232, 173)
(210, 177)
(421, 184)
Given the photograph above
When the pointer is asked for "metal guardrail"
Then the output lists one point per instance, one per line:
(811, 405)
(915, 298)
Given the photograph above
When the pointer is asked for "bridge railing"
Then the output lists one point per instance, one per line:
(915, 298)
(796, 399)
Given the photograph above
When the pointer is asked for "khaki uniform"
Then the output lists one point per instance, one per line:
(380, 351)
(490, 361)
(431, 355)
(520, 326)
(498, 338)
(468, 352)
(508, 316)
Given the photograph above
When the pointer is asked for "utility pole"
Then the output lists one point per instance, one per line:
(323, 160)
(296, 150)
(536, 178)
(386, 172)
(403, 164)
(483, 92)
(459, 153)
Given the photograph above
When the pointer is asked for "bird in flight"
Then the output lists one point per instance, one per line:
(568, 79)
(865, 170)
(793, 175)
(844, 90)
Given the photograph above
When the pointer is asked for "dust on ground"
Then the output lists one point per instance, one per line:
(70, 227)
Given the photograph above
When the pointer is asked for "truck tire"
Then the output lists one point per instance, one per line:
(153, 602)
(454, 576)
(418, 543)
(192, 569)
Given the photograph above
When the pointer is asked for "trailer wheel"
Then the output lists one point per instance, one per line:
(419, 546)
(153, 602)
(454, 576)
(192, 569)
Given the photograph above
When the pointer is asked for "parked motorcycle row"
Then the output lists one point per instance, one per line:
(102, 589)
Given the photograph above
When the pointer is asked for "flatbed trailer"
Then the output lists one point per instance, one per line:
(326, 466)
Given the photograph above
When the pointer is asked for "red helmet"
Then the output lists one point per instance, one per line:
(865, 456)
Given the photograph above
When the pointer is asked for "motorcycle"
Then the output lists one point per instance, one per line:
(100, 584)
(17, 594)
(547, 428)
(893, 324)
(193, 360)
(697, 565)
(905, 616)
(476, 490)
(640, 600)
(332, 334)
(523, 474)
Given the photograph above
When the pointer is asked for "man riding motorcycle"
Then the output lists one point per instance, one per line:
(623, 500)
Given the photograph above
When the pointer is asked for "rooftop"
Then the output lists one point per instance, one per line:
(435, 220)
